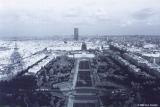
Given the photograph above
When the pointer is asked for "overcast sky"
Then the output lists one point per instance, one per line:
(59, 17)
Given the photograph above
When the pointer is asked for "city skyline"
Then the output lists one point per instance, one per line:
(92, 17)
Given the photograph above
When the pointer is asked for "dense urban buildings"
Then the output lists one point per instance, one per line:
(79, 53)
(107, 71)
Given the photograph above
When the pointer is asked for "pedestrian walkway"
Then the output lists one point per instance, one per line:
(84, 94)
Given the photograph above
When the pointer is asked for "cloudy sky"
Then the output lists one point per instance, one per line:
(59, 17)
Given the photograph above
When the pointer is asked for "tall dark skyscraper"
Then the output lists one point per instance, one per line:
(76, 34)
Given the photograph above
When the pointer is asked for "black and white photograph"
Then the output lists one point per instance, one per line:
(79, 53)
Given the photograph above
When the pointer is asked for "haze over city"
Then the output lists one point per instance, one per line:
(92, 17)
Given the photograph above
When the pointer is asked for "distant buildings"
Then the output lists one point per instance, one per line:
(150, 68)
(76, 34)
